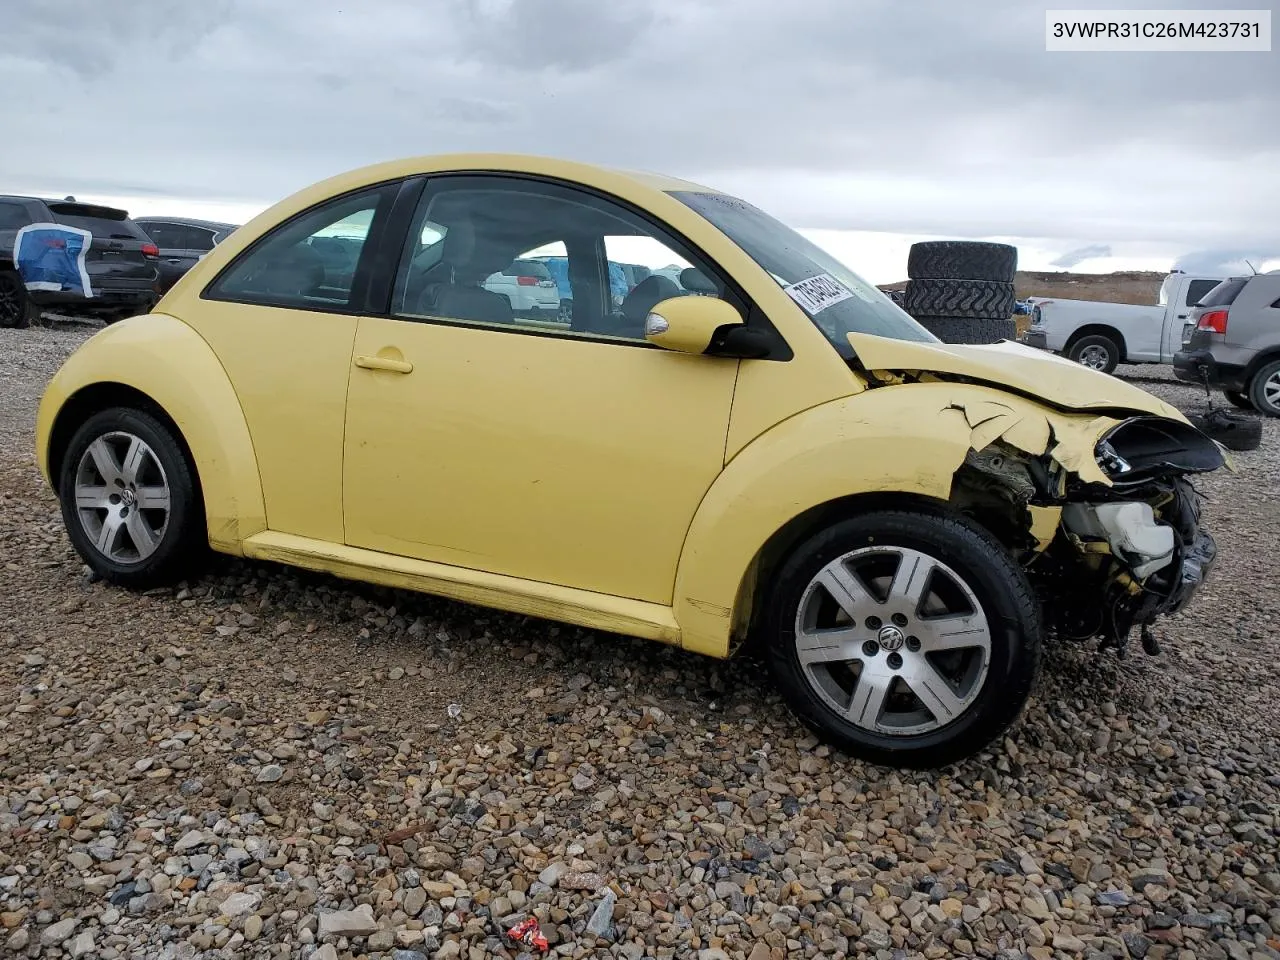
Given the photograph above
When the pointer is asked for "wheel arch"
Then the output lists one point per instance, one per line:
(160, 365)
(839, 458)
(1098, 329)
(87, 401)
(748, 604)
(1262, 358)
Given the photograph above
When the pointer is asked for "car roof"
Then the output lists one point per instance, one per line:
(427, 164)
(185, 221)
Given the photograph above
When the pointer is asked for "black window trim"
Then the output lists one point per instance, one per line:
(361, 289)
(405, 206)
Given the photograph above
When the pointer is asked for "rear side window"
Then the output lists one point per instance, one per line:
(1225, 293)
(168, 236)
(100, 221)
(310, 261)
(13, 216)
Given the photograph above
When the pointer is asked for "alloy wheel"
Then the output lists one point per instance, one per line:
(1095, 357)
(893, 640)
(122, 496)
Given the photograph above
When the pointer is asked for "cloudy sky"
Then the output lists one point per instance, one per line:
(869, 124)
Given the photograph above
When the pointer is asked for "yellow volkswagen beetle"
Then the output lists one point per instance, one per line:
(750, 442)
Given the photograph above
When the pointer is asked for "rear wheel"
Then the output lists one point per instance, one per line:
(1096, 351)
(129, 499)
(907, 639)
(16, 308)
(1264, 389)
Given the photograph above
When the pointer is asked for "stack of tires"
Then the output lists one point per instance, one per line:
(962, 290)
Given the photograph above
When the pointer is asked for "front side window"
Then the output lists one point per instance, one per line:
(309, 262)
(515, 252)
(836, 299)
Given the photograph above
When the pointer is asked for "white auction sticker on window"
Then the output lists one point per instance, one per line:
(817, 293)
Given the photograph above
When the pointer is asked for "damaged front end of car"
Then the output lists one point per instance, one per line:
(1085, 478)
(1111, 545)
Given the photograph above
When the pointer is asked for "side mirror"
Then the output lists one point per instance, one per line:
(689, 324)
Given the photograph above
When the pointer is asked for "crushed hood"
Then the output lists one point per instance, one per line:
(1037, 374)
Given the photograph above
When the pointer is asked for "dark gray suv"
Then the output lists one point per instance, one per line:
(114, 274)
(1232, 341)
(182, 242)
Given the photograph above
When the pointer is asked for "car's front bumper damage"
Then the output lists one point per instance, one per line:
(1084, 478)
(1112, 545)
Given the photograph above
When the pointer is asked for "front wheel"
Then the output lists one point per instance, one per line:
(906, 639)
(1097, 352)
(129, 499)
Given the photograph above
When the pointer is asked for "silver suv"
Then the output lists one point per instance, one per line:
(1231, 341)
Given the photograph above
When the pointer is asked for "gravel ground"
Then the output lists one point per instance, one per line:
(275, 764)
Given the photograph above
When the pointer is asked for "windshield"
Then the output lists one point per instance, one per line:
(836, 299)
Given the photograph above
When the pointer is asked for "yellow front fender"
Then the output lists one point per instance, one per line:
(163, 358)
(908, 439)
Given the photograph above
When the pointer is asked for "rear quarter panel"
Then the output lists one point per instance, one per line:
(1253, 322)
(168, 361)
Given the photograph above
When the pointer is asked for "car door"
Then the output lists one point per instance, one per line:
(283, 329)
(170, 238)
(476, 438)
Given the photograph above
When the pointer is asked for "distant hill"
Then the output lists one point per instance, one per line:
(1124, 287)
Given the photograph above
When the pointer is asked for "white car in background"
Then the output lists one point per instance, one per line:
(529, 286)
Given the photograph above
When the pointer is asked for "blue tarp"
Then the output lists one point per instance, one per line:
(559, 267)
(50, 257)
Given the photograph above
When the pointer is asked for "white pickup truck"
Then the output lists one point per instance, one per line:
(1101, 335)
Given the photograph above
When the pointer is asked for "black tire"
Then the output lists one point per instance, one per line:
(964, 330)
(16, 309)
(962, 260)
(183, 539)
(1232, 430)
(1003, 594)
(1262, 389)
(973, 299)
(1094, 345)
(1238, 400)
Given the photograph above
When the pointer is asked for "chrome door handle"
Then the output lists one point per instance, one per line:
(384, 363)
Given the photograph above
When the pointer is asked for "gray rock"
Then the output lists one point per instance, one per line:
(270, 773)
(55, 933)
(348, 923)
(601, 922)
(189, 841)
(148, 903)
(83, 944)
(415, 899)
(18, 940)
(240, 903)
(552, 874)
